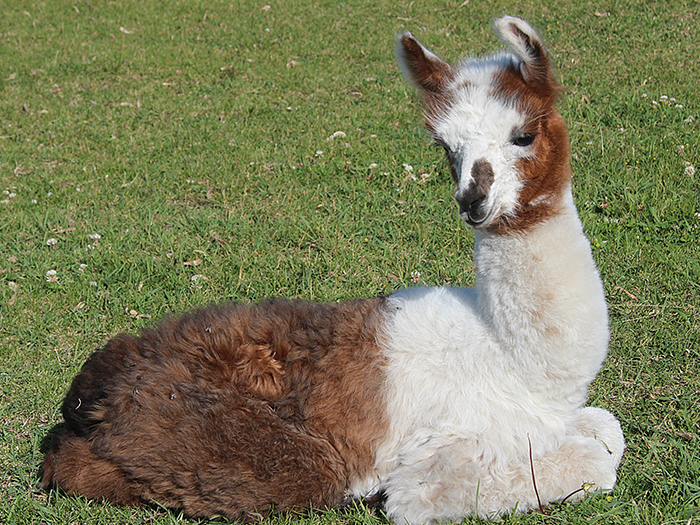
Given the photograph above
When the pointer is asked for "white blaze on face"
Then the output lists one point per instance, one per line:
(478, 126)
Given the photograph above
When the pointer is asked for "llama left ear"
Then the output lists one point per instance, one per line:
(528, 46)
(420, 66)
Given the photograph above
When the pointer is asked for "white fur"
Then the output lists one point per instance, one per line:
(504, 29)
(477, 126)
(486, 386)
(476, 381)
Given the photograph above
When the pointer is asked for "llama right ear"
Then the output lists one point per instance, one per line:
(420, 66)
(528, 46)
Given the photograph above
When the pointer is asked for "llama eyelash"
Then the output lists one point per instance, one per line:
(524, 140)
(437, 403)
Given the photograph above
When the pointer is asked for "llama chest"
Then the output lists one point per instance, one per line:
(447, 380)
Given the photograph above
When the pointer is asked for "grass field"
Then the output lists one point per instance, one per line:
(158, 156)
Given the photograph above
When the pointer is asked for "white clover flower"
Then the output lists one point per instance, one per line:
(197, 281)
(94, 236)
(93, 283)
(319, 152)
(337, 134)
(407, 167)
(415, 276)
(690, 171)
(679, 106)
(374, 165)
(34, 201)
(51, 276)
(82, 267)
(11, 195)
(51, 242)
(689, 119)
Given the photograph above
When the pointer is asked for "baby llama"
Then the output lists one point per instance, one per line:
(438, 402)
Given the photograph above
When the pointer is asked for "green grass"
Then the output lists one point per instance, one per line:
(186, 134)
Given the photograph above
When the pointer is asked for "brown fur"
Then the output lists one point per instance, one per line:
(230, 410)
(429, 73)
(548, 172)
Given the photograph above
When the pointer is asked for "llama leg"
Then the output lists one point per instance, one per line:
(582, 464)
(433, 482)
(586, 461)
(71, 465)
(448, 482)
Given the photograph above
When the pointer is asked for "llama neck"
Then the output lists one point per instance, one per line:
(542, 299)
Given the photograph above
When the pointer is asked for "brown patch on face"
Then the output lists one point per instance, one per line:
(436, 106)
(472, 200)
(546, 174)
(539, 92)
(230, 410)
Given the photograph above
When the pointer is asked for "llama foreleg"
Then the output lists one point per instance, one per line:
(447, 482)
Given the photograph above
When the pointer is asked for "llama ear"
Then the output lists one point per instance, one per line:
(528, 46)
(420, 66)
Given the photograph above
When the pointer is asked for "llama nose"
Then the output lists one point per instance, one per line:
(471, 206)
(472, 200)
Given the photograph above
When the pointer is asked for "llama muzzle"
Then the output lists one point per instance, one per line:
(473, 201)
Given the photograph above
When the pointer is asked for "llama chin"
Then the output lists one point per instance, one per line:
(439, 402)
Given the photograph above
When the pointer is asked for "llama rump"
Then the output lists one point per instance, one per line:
(441, 402)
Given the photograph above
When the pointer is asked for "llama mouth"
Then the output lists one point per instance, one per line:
(476, 213)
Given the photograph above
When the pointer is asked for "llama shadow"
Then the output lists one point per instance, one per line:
(46, 444)
(49, 439)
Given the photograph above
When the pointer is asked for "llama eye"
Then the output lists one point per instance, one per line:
(524, 140)
(450, 154)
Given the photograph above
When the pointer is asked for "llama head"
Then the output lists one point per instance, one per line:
(506, 144)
